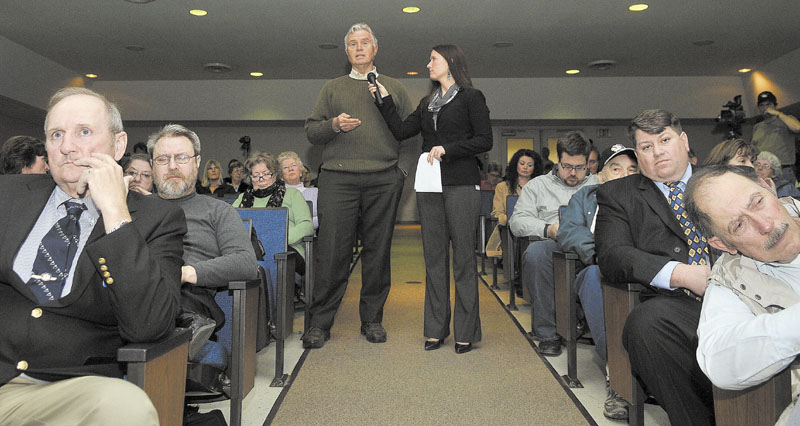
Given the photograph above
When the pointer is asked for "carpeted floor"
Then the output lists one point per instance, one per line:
(353, 382)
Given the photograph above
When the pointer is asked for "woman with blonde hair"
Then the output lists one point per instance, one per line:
(211, 181)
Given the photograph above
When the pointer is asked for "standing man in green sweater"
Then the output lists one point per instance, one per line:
(360, 186)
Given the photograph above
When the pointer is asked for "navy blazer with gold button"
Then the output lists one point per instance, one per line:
(79, 334)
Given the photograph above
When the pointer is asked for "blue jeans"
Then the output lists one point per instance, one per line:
(591, 295)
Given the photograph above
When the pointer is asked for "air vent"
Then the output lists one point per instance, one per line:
(602, 64)
(217, 67)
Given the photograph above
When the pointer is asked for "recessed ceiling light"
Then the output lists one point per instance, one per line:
(703, 42)
(140, 1)
(134, 47)
(257, 74)
(198, 12)
(572, 71)
(638, 7)
(501, 44)
(412, 73)
(217, 67)
(328, 46)
(602, 64)
(90, 75)
(411, 9)
(745, 70)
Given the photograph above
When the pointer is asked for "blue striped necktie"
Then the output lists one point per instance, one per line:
(55, 254)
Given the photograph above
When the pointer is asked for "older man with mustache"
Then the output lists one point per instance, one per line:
(748, 324)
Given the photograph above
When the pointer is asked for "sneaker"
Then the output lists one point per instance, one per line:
(374, 332)
(202, 328)
(315, 337)
(550, 347)
(615, 407)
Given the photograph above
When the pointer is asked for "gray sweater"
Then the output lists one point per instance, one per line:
(216, 244)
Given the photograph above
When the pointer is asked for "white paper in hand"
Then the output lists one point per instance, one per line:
(429, 176)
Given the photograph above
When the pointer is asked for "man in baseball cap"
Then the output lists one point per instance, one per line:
(776, 133)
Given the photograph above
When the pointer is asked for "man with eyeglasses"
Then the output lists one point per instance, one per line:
(536, 215)
(359, 190)
(217, 248)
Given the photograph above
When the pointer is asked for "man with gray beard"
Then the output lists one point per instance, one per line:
(216, 248)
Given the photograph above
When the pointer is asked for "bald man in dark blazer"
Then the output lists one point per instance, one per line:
(639, 240)
(58, 348)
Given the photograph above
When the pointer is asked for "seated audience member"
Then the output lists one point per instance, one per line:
(307, 179)
(576, 234)
(216, 248)
(23, 155)
(735, 152)
(593, 163)
(493, 177)
(639, 239)
(237, 173)
(768, 167)
(524, 165)
(137, 166)
(692, 157)
(547, 164)
(745, 333)
(292, 172)
(211, 180)
(67, 305)
(269, 190)
(536, 214)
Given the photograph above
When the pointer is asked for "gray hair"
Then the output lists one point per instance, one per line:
(773, 160)
(361, 26)
(173, 130)
(285, 155)
(114, 117)
(701, 219)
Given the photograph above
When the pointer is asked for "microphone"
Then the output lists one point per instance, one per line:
(374, 80)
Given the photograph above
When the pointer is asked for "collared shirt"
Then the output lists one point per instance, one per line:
(662, 278)
(53, 211)
(355, 75)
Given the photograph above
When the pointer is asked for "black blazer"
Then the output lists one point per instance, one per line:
(79, 334)
(636, 233)
(463, 129)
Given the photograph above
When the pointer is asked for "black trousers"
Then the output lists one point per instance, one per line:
(348, 203)
(450, 217)
(660, 336)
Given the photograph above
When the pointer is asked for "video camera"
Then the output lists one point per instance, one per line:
(732, 117)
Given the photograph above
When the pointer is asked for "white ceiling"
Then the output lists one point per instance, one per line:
(281, 37)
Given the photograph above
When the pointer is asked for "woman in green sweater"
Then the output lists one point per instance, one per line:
(269, 190)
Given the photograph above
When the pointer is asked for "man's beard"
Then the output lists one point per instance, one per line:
(171, 189)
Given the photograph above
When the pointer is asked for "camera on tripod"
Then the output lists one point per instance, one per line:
(732, 117)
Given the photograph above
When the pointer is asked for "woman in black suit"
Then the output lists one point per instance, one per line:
(454, 122)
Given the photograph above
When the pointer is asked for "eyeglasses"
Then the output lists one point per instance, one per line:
(134, 173)
(570, 167)
(163, 160)
(760, 165)
(290, 166)
(261, 176)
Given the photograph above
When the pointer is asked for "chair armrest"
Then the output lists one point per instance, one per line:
(144, 352)
(243, 285)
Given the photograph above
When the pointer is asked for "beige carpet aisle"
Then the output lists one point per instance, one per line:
(353, 382)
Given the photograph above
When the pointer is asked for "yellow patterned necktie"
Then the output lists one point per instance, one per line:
(698, 247)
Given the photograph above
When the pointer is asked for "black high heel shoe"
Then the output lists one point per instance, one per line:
(432, 345)
(462, 348)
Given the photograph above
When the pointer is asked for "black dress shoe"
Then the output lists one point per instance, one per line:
(550, 347)
(463, 348)
(432, 345)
